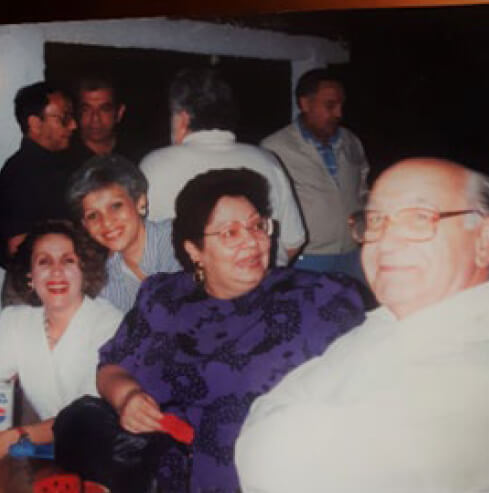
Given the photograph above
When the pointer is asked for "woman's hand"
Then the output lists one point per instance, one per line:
(140, 413)
(7, 438)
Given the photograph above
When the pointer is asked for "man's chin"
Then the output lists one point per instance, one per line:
(97, 137)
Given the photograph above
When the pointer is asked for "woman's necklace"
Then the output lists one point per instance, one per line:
(52, 340)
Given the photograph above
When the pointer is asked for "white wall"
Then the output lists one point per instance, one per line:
(22, 51)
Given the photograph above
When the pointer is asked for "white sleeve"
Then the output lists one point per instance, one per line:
(275, 438)
(292, 232)
(160, 196)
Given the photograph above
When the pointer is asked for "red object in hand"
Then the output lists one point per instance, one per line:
(177, 428)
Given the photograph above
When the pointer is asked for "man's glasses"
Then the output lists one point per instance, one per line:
(233, 234)
(65, 119)
(413, 224)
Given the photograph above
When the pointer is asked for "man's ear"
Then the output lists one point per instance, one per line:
(482, 245)
(193, 252)
(180, 126)
(120, 112)
(34, 124)
(304, 104)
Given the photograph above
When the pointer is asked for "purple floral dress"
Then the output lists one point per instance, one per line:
(207, 359)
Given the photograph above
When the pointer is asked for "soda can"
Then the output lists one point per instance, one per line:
(6, 404)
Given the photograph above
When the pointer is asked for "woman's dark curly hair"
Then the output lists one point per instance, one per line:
(92, 259)
(196, 201)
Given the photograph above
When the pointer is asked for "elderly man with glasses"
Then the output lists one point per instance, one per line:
(400, 404)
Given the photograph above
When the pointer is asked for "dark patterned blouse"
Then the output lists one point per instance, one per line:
(207, 359)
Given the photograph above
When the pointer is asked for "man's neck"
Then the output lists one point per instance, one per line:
(309, 133)
(101, 148)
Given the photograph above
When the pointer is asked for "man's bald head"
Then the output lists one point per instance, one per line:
(409, 270)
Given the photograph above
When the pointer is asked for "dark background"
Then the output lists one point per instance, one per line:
(417, 82)
(143, 76)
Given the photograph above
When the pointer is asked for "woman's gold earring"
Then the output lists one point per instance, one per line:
(199, 274)
(29, 281)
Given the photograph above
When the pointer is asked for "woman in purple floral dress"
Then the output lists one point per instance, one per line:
(204, 343)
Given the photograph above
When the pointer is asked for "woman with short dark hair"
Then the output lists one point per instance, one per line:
(108, 196)
(51, 343)
(204, 343)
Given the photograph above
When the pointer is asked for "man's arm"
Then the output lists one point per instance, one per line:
(286, 210)
(292, 253)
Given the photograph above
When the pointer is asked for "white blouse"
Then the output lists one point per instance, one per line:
(52, 379)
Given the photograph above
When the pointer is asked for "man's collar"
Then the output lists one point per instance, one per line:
(310, 137)
(29, 143)
(457, 306)
(210, 136)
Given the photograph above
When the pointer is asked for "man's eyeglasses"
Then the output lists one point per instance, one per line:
(233, 234)
(65, 119)
(413, 224)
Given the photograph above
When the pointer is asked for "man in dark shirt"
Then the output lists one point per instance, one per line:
(34, 179)
(99, 112)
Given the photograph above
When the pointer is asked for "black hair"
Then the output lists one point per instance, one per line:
(309, 82)
(32, 100)
(95, 81)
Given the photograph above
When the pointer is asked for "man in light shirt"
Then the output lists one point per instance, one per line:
(203, 119)
(328, 167)
(400, 404)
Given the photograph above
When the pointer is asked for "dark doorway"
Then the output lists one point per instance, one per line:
(262, 87)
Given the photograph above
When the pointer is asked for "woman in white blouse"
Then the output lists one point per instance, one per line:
(51, 343)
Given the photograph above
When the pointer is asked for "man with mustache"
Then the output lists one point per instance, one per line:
(401, 403)
(328, 168)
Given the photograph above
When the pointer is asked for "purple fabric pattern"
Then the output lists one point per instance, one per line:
(207, 359)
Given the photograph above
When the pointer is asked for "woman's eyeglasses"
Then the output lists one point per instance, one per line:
(234, 233)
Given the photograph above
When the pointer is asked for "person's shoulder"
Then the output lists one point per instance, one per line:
(14, 311)
(159, 235)
(257, 156)
(286, 138)
(282, 134)
(306, 277)
(352, 146)
(19, 318)
(12, 165)
(164, 280)
(348, 136)
(160, 157)
(159, 229)
(303, 280)
(102, 308)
